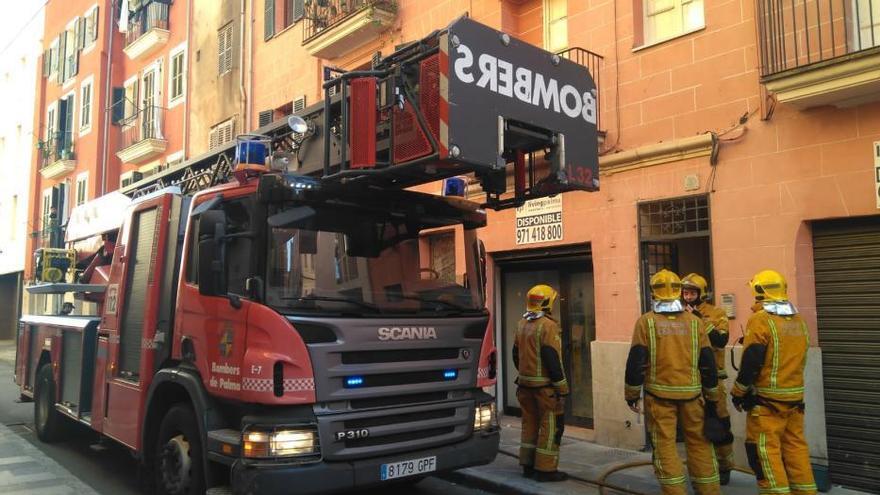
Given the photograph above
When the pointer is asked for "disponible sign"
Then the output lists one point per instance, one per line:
(539, 220)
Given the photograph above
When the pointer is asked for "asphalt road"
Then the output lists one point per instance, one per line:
(110, 469)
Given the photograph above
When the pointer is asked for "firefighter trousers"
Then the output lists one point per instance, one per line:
(542, 427)
(777, 449)
(724, 450)
(662, 416)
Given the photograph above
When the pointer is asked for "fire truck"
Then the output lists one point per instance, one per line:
(306, 307)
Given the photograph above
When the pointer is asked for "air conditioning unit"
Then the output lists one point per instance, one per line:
(129, 178)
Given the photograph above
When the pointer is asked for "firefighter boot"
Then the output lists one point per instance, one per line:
(777, 449)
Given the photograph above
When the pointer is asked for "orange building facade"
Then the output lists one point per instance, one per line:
(735, 137)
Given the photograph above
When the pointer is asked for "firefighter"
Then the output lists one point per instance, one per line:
(672, 360)
(770, 387)
(694, 294)
(542, 386)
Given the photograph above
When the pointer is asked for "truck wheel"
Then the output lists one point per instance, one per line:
(48, 421)
(178, 456)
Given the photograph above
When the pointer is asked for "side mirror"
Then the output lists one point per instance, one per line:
(212, 253)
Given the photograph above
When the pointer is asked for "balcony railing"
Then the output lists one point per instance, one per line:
(324, 14)
(58, 147)
(592, 62)
(799, 33)
(141, 136)
(153, 16)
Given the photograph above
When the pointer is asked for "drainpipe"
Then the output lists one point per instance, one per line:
(250, 63)
(108, 112)
(188, 80)
(241, 72)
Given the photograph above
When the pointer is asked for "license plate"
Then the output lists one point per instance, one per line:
(411, 467)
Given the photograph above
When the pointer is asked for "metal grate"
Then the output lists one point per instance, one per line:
(674, 218)
(429, 93)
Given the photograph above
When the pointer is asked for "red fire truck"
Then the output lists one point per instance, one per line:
(289, 311)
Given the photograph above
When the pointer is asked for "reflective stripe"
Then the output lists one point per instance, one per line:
(695, 352)
(709, 328)
(807, 352)
(551, 453)
(739, 386)
(765, 460)
(539, 367)
(802, 487)
(709, 479)
(634, 388)
(781, 489)
(781, 391)
(657, 464)
(774, 372)
(551, 433)
(672, 481)
(560, 383)
(535, 379)
(526, 446)
(674, 388)
(652, 349)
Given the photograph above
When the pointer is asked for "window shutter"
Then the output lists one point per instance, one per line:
(299, 104)
(266, 117)
(81, 33)
(46, 59)
(117, 112)
(269, 19)
(212, 139)
(62, 44)
(299, 9)
(94, 31)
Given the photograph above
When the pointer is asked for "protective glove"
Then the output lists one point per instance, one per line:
(746, 402)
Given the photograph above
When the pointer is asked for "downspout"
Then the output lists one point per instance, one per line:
(108, 112)
(188, 81)
(250, 63)
(241, 72)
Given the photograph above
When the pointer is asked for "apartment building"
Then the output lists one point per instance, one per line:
(149, 99)
(736, 136)
(18, 77)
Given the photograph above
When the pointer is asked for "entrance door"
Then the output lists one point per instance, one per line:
(575, 311)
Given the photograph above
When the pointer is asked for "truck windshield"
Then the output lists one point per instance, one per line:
(347, 261)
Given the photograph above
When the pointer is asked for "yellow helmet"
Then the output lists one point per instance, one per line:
(665, 286)
(697, 282)
(769, 285)
(541, 298)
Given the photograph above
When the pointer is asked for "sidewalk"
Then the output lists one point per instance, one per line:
(585, 462)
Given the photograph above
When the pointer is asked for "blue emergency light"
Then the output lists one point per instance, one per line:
(251, 150)
(455, 186)
(450, 374)
(354, 381)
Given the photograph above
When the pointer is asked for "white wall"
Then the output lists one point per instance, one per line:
(23, 30)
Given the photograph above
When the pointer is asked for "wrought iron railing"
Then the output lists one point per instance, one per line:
(797, 33)
(592, 62)
(58, 146)
(146, 123)
(324, 14)
(154, 15)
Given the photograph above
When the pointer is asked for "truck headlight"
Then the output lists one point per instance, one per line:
(287, 442)
(485, 418)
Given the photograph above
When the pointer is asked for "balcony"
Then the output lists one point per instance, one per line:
(820, 52)
(592, 62)
(147, 31)
(141, 137)
(56, 155)
(335, 27)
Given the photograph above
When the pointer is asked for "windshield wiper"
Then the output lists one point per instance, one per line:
(445, 304)
(365, 305)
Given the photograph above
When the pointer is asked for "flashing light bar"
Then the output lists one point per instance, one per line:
(450, 374)
(354, 381)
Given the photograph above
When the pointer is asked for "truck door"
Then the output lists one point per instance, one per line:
(131, 315)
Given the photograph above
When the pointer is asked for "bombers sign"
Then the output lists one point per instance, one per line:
(489, 79)
(500, 76)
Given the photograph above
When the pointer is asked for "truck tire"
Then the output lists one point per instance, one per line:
(178, 455)
(48, 422)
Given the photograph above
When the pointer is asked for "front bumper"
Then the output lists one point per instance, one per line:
(333, 477)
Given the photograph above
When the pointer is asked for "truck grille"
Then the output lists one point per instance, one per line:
(401, 430)
(400, 356)
(398, 400)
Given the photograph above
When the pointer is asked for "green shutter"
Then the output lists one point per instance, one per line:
(269, 19)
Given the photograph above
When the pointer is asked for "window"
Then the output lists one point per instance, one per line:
(278, 15)
(174, 159)
(224, 49)
(46, 210)
(85, 98)
(82, 184)
(555, 25)
(221, 134)
(91, 27)
(131, 97)
(177, 82)
(667, 19)
(238, 249)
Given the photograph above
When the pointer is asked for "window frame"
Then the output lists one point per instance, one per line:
(546, 23)
(86, 109)
(225, 42)
(178, 51)
(91, 41)
(640, 40)
(82, 189)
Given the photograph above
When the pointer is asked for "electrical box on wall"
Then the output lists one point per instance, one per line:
(728, 302)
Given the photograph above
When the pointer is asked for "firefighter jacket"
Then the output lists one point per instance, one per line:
(774, 358)
(717, 327)
(536, 353)
(671, 357)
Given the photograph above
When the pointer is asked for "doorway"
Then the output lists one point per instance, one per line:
(571, 273)
(674, 234)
